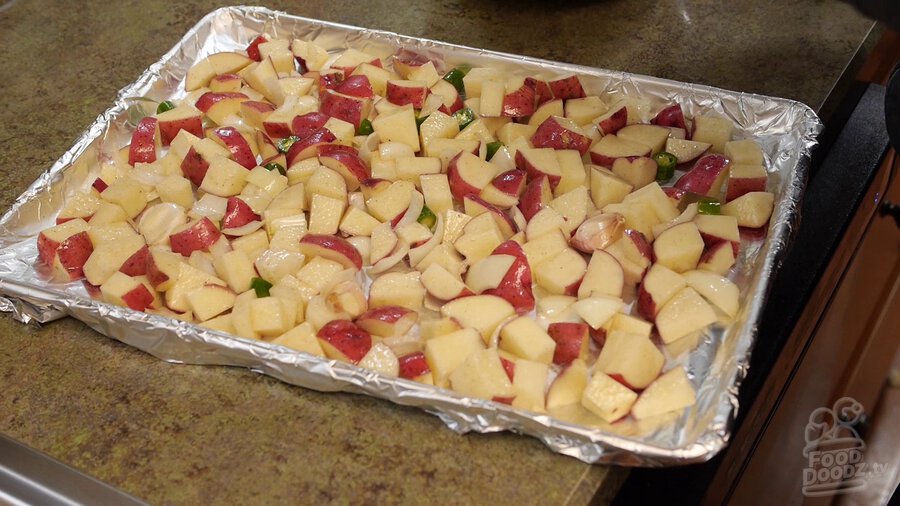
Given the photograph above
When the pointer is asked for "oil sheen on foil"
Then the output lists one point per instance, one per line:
(785, 129)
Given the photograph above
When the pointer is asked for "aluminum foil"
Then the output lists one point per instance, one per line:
(785, 129)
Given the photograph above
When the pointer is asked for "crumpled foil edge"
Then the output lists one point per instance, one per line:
(717, 368)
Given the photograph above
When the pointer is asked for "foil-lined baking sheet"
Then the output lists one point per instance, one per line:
(785, 129)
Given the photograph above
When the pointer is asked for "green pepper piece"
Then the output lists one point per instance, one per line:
(455, 77)
(666, 163)
(427, 217)
(261, 287)
(419, 121)
(276, 166)
(365, 127)
(284, 145)
(492, 148)
(464, 117)
(164, 106)
(709, 206)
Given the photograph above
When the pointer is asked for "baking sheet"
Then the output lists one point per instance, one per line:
(785, 129)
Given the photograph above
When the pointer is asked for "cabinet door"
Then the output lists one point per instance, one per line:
(848, 355)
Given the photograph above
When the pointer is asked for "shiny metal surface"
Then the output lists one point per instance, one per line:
(785, 129)
(28, 477)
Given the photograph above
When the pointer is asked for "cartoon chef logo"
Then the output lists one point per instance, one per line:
(834, 449)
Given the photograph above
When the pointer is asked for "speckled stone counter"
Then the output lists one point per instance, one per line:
(174, 434)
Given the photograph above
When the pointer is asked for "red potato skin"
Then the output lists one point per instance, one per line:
(568, 337)
(253, 48)
(403, 95)
(139, 298)
(752, 234)
(712, 249)
(372, 186)
(406, 60)
(710, 241)
(93, 291)
(280, 159)
(459, 187)
(511, 182)
(143, 142)
(413, 365)
(551, 134)
(452, 108)
(169, 129)
(515, 286)
(542, 92)
(194, 166)
(237, 214)
(349, 70)
(607, 161)
(324, 244)
(510, 368)
(386, 314)
(155, 276)
(520, 103)
(277, 129)
(741, 186)
(307, 147)
(347, 108)
(198, 237)
(267, 148)
(567, 87)
(703, 174)
(237, 145)
(534, 173)
(74, 252)
(506, 224)
(598, 336)
(329, 149)
(305, 125)
(351, 340)
(646, 306)
(254, 111)
(99, 185)
(302, 69)
(615, 122)
(211, 98)
(618, 377)
(356, 86)
(573, 288)
(398, 319)
(536, 195)
(675, 194)
(640, 240)
(136, 265)
(396, 219)
(329, 80)
(227, 79)
(671, 116)
(347, 163)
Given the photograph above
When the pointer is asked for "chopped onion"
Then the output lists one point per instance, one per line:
(243, 230)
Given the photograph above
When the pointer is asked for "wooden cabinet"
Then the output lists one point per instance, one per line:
(842, 347)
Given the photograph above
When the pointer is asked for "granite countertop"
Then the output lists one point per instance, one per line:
(175, 434)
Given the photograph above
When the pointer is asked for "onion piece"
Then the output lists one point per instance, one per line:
(416, 203)
(390, 261)
(418, 253)
(243, 230)
(159, 221)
